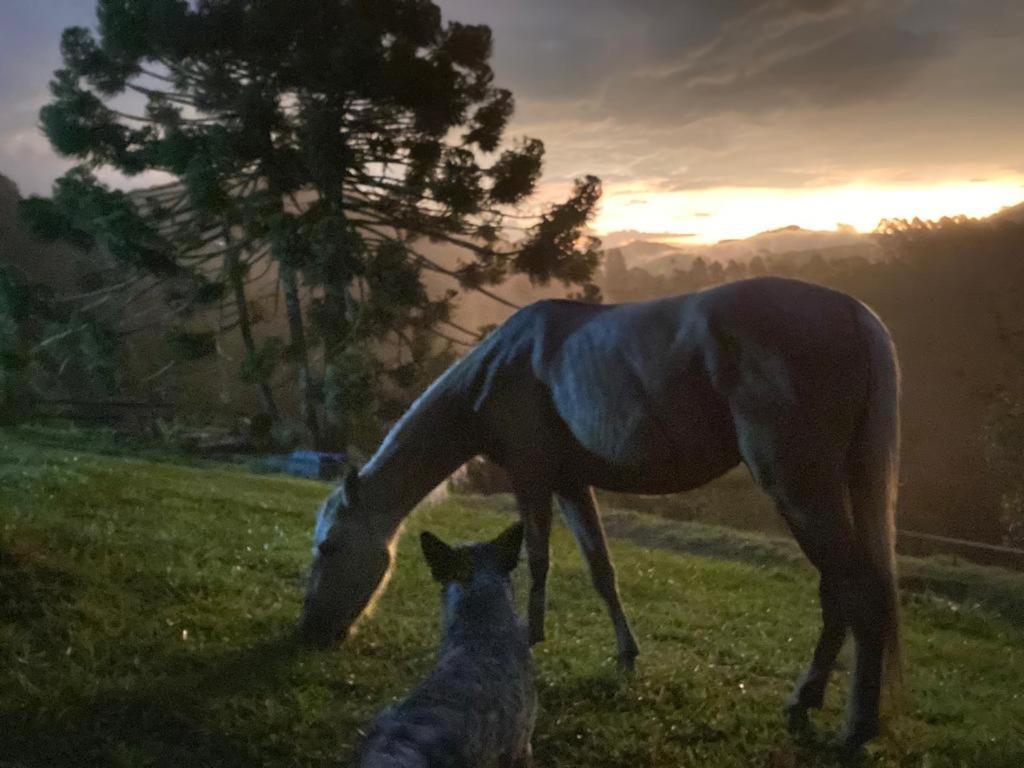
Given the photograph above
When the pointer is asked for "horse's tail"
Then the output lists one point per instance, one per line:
(874, 476)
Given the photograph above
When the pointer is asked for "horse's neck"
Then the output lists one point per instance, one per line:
(431, 441)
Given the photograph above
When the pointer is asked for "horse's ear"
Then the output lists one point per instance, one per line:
(351, 485)
(509, 544)
(440, 557)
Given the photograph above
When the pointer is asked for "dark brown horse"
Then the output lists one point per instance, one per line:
(797, 381)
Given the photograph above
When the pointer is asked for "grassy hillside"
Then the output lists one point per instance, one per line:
(146, 609)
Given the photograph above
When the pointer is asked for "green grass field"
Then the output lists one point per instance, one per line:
(146, 611)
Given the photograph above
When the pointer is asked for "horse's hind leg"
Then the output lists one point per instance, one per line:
(809, 495)
(810, 687)
(851, 597)
(865, 602)
(523, 760)
(580, 511)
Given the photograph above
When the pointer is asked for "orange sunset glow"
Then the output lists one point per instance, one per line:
(710, 215)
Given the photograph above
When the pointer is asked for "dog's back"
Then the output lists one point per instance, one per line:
(476, 708)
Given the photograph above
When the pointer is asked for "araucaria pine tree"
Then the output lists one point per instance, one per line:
(329, 137)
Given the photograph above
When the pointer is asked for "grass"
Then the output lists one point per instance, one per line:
(146, 611)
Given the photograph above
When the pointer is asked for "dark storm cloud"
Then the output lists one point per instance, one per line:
(762, 92)
(687, 93)
(637, 59)
(810, 67)
(656, 60)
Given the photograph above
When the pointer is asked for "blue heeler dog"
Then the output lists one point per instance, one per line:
(476, 709)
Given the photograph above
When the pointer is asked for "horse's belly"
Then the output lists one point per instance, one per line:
(621, 444)
(622, 437)
(668, 477)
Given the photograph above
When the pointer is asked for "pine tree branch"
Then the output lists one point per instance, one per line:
(451, 339)
(472, 334)
(57, 337)
(99, 291)
(160, 372)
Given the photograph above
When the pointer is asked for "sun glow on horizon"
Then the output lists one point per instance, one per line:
(710, 215)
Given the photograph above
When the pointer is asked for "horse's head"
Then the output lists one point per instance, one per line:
(351, 560)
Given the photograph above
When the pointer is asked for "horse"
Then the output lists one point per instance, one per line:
(797, 381)
(478, 705)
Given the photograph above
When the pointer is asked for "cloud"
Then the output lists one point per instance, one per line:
(625, 236)
(775, 93)
(781, 56)
(114, 178)
(26, 142)
(696, 94)
(602, 50)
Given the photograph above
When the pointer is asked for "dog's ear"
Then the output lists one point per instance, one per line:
(440, 557)
(351, 485)
(509, 544)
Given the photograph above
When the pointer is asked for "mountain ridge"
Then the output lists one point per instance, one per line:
(791, 243)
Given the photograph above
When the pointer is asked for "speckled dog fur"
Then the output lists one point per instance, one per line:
(476, 708)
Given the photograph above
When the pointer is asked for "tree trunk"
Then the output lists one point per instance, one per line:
(237, 280)
(293, 309)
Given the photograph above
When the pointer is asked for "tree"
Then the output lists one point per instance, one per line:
(757, 267)
(334, 137)
(615, 272)
(46, 346)
(951, 290)
(139, 257)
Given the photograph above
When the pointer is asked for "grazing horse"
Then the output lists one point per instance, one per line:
(797, 381)
(477, 706)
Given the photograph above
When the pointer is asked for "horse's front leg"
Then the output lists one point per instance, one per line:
(580, 511)
(535, 509)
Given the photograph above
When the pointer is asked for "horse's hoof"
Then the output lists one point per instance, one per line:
(851, 743)
(536, 635)
(851, 753)
(797, 722)
(627, 660)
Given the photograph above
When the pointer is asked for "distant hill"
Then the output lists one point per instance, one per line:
(1013, 213)
(659, 257)
(793, 244)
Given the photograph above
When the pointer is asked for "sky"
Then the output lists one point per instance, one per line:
(706, 119)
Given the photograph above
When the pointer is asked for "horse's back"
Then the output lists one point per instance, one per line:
(800, 334)
(785, 349)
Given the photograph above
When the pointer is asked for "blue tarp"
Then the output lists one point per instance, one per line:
(313, 464)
